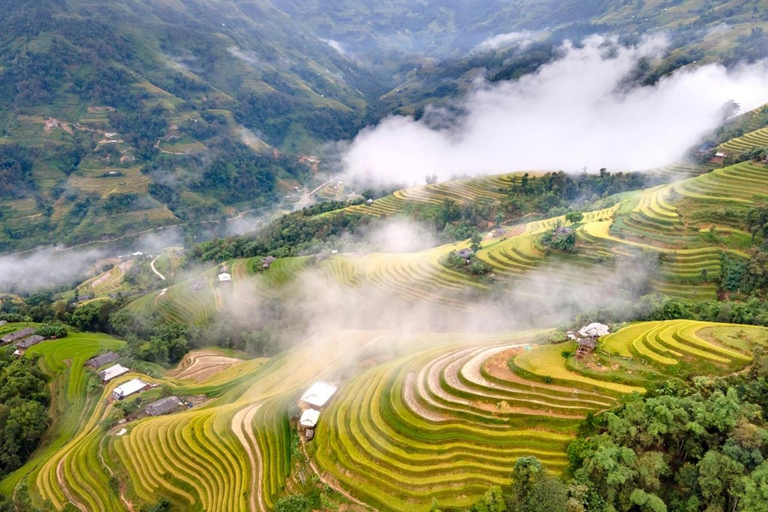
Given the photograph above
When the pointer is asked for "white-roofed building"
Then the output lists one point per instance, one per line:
(594, 330)
(128, 388)
(309, 418)
(319, 393)
(224, 277)
(112, 372)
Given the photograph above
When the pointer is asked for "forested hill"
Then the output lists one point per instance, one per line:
(120, 116)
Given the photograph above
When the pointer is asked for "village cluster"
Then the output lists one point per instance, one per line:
(311, 402)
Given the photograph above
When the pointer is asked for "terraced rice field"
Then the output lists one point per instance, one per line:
(754, 139)
(648, 221)
(741, 183)
(63, 360)
(671, 343)
(459, 191)
(449, 422)
(437, 415)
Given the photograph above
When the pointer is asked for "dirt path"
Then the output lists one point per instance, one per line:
(304, 201)
(157, 273)
(128, 504)
(67, 493)
(329, 483)
(241, 424)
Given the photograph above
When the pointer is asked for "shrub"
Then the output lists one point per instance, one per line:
(52, 330)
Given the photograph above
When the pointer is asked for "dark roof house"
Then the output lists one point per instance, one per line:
(464, 253)
(99, 361)
(28, 342)
(18, 335)
(267, 262)
(163, 406)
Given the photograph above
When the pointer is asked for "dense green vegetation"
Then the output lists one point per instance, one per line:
(24, 397)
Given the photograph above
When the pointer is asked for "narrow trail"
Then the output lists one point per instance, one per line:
(123, 499)
(330, 484)
(241, 426)
(62, 482)
(157, 273)
(304, 201)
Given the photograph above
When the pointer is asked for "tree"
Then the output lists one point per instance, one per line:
(431, 179)
(474, 241)
(574, 217)
(492, 501)
(292, 503)
(754, 497)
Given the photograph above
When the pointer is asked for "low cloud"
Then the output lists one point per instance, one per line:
(339, 47)
(522, 38)
(578, 111)
(44, 268)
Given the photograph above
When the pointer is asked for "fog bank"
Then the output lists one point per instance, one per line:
(577, 111)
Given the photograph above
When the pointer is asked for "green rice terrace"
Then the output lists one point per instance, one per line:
(686, 225)
(416, 416)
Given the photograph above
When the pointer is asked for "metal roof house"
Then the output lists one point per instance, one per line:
(101, 360)
(112, 372)
(18, 335)
(163, 406)
(309, 418)
(594, 330)
(128, 388)
(224, 277)
(28, 342)
(319, 393)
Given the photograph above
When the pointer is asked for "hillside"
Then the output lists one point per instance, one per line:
(435, 407)
(116, 119)
(121, 117)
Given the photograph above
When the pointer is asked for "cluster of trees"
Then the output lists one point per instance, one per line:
(24, 398)
(52, 330)
(689, 446)
(15, 171)
(560, 239)
(289, 235)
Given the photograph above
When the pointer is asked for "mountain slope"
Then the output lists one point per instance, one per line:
(158, 108)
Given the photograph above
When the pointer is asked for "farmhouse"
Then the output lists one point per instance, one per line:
(112, 372)
(128, 388)
(163, 406)
(318, 394)
(464, 253)
(18, 335)
(99, 361)
(267, 262)
(28, 342)
(3, 322)
(594, 330)
(586, 347)
(225, 277)
(587, 338)
(309, 418)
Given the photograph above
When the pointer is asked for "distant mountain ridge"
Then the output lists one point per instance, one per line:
(119, 117)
